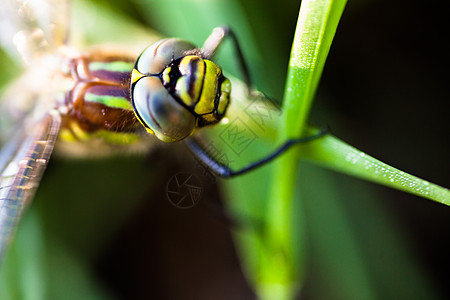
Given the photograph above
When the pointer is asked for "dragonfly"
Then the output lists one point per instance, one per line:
(102, 100)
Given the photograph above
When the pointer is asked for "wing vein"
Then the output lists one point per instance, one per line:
(28, 155)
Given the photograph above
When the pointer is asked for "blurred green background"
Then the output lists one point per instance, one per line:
(104, 229)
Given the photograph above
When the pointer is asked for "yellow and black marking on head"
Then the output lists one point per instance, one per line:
(200, 86)
(176, 90)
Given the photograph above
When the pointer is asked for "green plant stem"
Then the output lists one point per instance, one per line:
(283, 262)
(335, 154)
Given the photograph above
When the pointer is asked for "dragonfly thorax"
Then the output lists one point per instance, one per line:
(175, 90)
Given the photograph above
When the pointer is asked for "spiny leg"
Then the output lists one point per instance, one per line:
(209, 48)
(222, 170)
(214, 41)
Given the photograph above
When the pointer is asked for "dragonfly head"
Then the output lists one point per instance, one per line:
(175, 90)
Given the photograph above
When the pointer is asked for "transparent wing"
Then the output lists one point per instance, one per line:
(30, 28)
(22, 163)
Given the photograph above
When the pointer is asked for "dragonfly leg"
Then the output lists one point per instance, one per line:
(222, 170)
(214, 41)
(209, 48)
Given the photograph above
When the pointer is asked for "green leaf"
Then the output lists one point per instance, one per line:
(317, 23)
(333, 153)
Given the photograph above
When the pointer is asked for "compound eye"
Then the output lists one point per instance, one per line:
(159, 112)
(159, 55)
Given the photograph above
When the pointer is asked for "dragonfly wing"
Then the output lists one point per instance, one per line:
(33, 28)
(22, 163)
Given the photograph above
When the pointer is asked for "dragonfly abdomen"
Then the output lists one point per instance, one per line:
(99, 102)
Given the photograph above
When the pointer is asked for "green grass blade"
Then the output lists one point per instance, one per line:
(316, 26)
(282, 260)
(335, 154)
